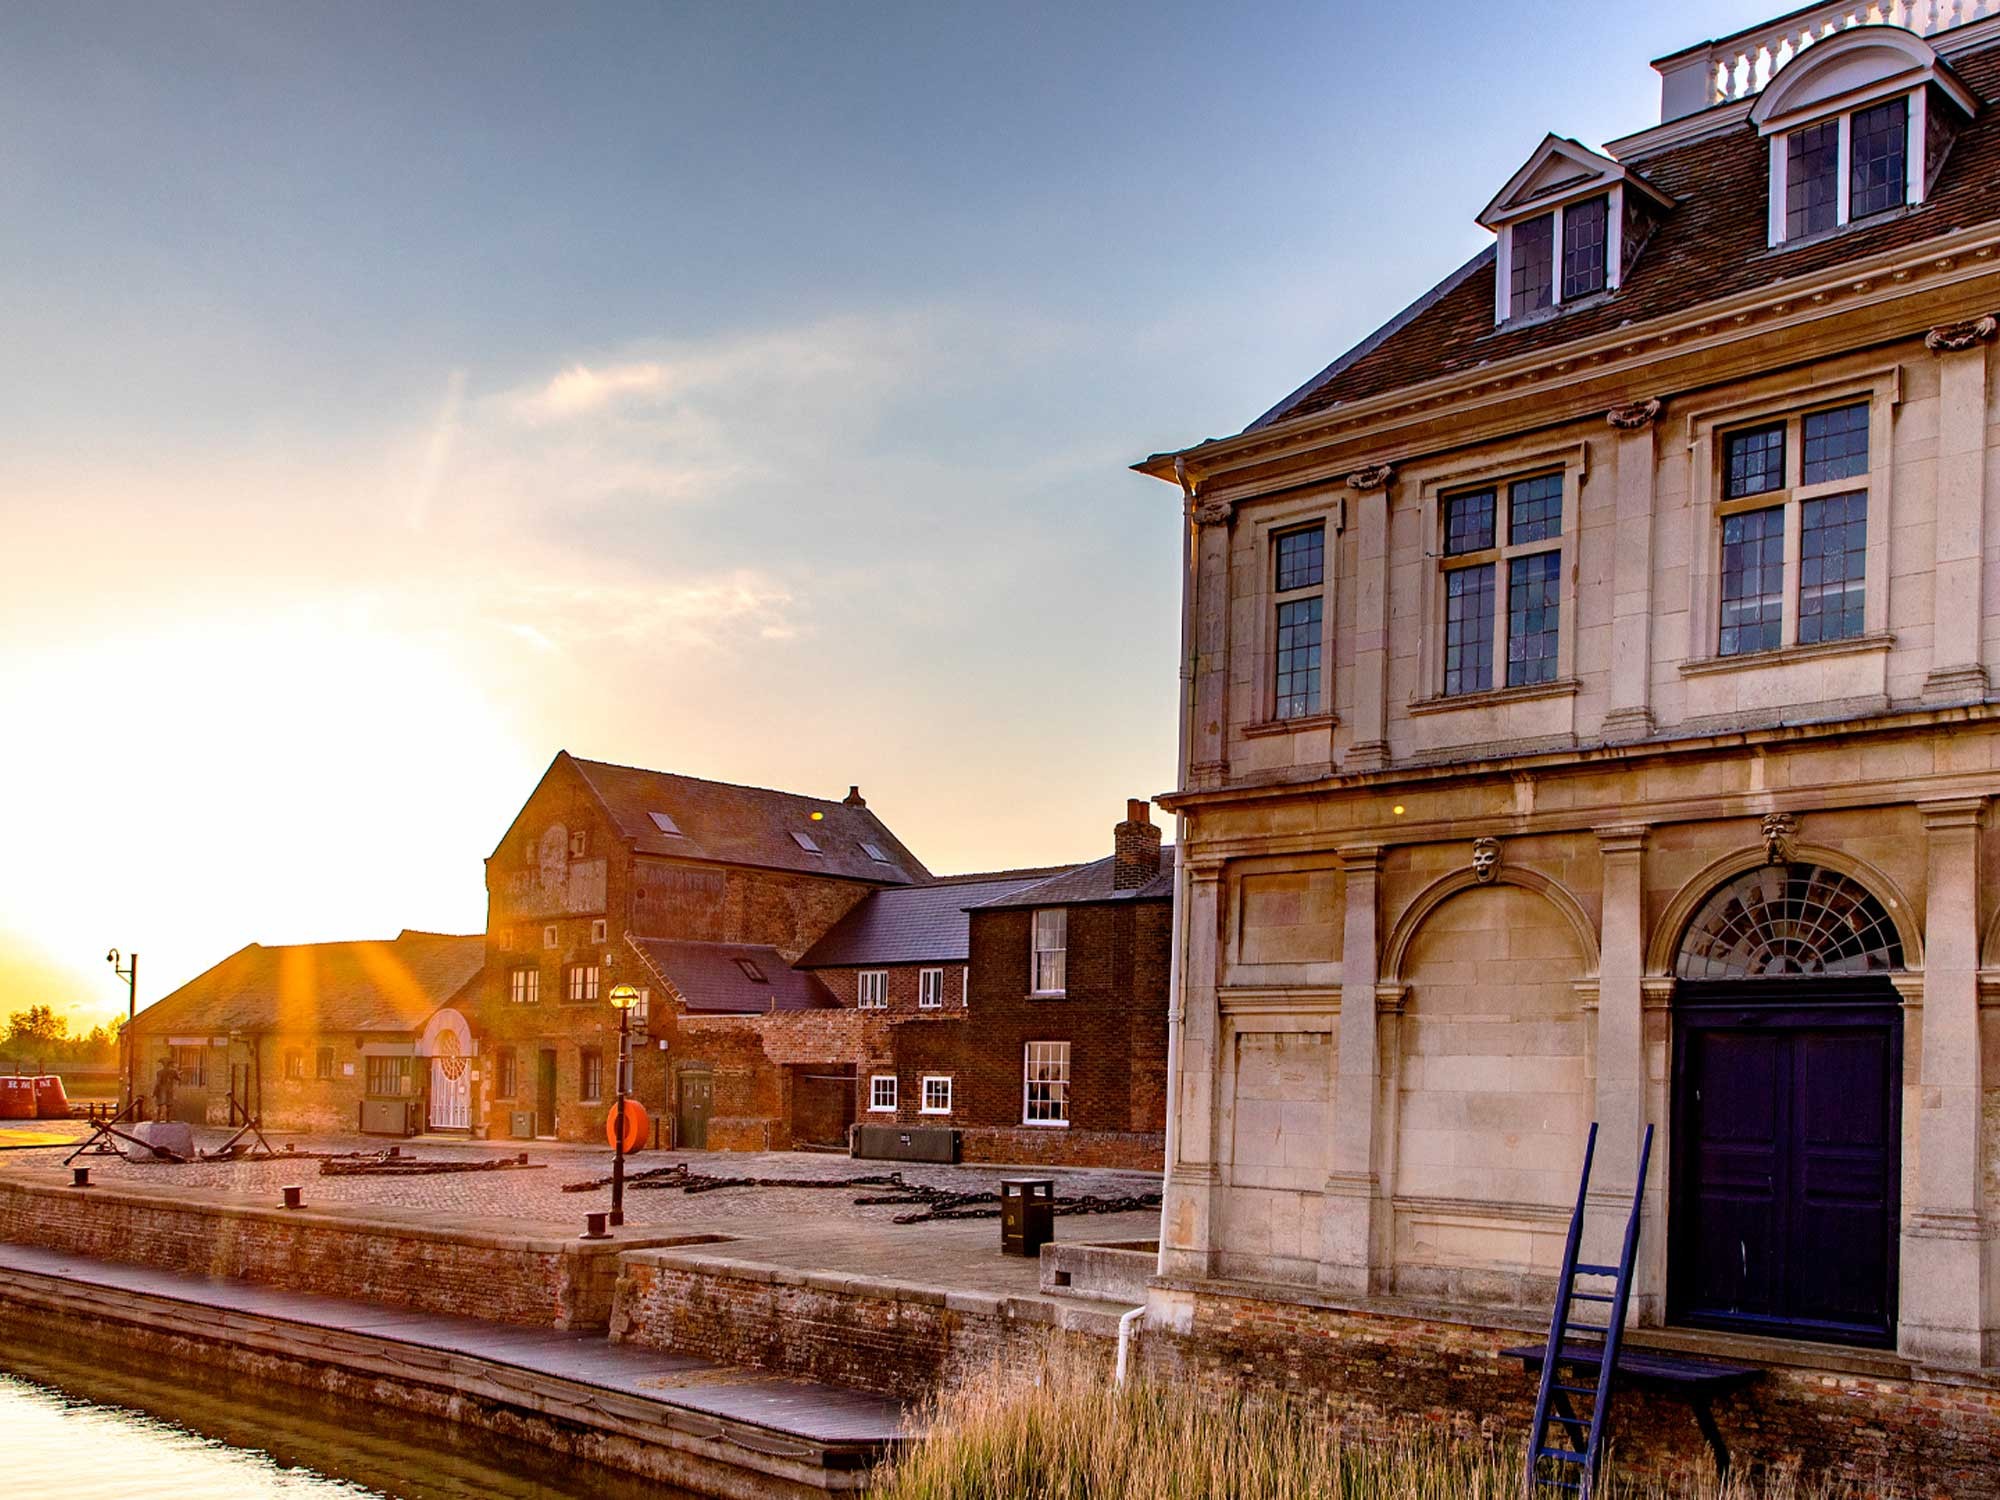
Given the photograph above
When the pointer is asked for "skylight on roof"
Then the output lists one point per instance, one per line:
(805, 842)
(751, 972)
(666, 824)
(874, 852)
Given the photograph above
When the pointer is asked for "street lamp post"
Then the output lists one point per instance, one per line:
(130, 974)
(624, 997)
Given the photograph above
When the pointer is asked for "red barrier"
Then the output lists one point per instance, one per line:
(51, 1103)
(17, 1098)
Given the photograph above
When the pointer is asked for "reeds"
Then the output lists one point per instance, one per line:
(1062, 1431)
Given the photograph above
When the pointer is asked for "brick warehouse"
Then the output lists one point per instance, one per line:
(699, 893)
(1589, 716)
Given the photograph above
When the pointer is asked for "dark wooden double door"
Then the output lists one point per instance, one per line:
(1787, 1130)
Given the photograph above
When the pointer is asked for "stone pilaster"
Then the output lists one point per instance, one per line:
(1368, 750)
(1621, 1041)
(1958, 671)
(1194, 1174)
(1354, 1228)
(1208, 734)
(1946, 1254)
(1630, 715)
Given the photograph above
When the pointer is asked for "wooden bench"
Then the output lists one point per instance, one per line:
(1695, 1381)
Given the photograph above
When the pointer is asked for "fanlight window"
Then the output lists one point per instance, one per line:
(1789, 921)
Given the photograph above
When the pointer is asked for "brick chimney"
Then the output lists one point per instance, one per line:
(853, 798)
(1136, 846)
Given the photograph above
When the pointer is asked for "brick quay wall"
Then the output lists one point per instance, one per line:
(369, 1257)
(1868, 1418)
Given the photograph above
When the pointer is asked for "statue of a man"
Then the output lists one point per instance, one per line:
(164, 1083)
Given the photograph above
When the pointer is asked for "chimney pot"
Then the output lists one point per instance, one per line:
(1137, 811)
(853, 798)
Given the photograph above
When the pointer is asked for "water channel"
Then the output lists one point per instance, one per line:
(78, 1422)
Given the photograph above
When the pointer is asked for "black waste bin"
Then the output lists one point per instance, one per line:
(1027, 1214)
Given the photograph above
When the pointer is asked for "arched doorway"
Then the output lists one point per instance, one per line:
(1787, 1113)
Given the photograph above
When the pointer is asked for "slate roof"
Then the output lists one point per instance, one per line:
(710, 980)
(378, 986)
(1092, 883)
(917, 924)
(747, 825)
(1710, 246)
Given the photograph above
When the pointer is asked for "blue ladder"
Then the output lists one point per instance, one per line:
(1566, 1448)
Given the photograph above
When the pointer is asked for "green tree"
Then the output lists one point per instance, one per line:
(37, 1026)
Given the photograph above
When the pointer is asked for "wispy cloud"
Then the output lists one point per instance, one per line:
(582, 389)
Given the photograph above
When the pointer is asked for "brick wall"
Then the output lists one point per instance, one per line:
(1873, 1422)
(859, 1332)
(1114, 1016)
(506, 1278)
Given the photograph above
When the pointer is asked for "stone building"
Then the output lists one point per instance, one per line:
(1589, 717)
(1059, 1053)
(698, 893)
(317, 1036)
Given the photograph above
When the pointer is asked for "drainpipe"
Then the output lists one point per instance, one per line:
(1125, 1323)
(1175, 1009)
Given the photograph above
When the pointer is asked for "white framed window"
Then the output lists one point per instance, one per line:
(579, 843)
(937, 1094)
(1045, 1084)
(580, 986)
(882, 1093)
(1049, 971)
(965, 986)
(549, 936)
(590, 1069)
(600, 930)
(872, 989)
(930, 989)
(524, 986)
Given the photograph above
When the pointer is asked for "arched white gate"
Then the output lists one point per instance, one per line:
(447, 1042)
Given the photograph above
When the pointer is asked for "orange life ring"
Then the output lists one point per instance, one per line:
(636, 1125)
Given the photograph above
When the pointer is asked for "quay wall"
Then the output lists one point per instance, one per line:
(331, 1251)
(875, 1335)
(1864, 1417)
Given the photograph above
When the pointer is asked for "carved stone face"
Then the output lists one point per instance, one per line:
(1485, 859)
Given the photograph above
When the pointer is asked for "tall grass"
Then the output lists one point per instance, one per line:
(1062, 1432)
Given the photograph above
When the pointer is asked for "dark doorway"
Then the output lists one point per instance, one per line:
(1787, 1128)
(545, 1092)
(696, 1101)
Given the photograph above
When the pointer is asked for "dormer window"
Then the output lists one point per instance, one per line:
(1570, 223)
(1858, 125)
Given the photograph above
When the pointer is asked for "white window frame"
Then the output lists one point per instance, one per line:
(524, 985)
(1279, 599)
(600, 930)
(549, 937)
(871, 989)
(1036, 950)
(585, 977)
(926, 1107)
(584, 1092)
(881, 1101)
(930, 989)
(1614, 251)
(1916, 148)
(1029, 1057)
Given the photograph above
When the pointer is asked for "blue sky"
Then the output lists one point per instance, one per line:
(397, 394)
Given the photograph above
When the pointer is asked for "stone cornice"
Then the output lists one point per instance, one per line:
(1630, 350)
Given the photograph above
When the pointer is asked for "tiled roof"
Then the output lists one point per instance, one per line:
(917, 924)
(1710, 246)
(391, 986)
(711, 979)
(747, 825)
(1091, 883)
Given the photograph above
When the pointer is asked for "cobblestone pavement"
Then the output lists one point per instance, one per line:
(819, 1228)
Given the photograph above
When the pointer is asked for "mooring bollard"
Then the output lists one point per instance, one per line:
(293, 1195)
(593, 1227)
(79, 1177)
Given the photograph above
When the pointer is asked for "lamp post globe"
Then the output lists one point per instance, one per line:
(623, 998)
